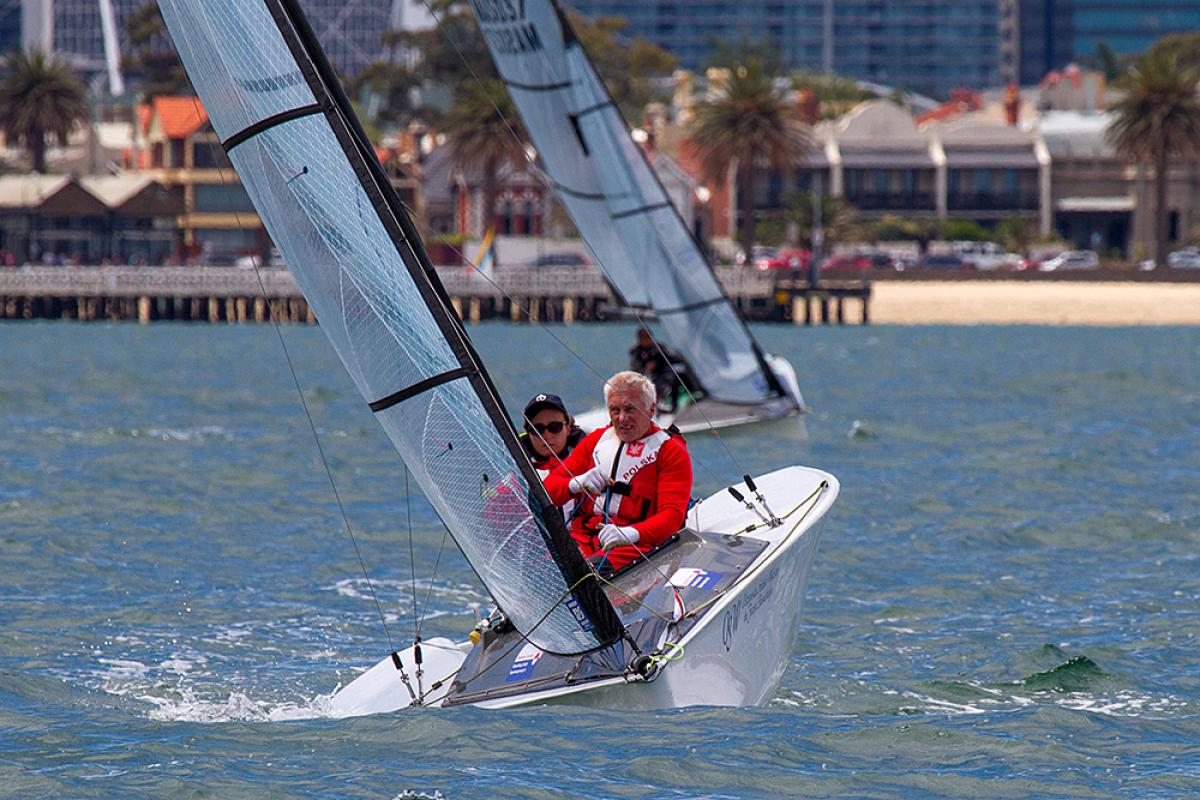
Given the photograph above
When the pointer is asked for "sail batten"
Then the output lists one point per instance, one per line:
(270, 122)
(354, 253)
(645, 249)
(417, 388)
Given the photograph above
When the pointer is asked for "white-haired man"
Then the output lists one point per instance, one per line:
(636, 478)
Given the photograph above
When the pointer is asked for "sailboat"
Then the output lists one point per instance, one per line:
(709, 617)
(644, 248)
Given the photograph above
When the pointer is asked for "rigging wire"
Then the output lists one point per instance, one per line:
(304, 404)
(412, 556)
(636, 312)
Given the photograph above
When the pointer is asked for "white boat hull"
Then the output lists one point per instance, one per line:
(734, 656)
(706, 415)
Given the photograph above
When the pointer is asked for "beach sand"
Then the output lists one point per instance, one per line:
(1032, 303)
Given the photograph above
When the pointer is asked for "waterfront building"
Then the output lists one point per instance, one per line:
(218, 222)
(929, 47)
(58, 219)
(1102, 201)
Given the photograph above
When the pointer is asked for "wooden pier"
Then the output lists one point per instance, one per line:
(234, 295)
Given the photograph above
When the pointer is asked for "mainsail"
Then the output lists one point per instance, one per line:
(282, 116)
(616, 200)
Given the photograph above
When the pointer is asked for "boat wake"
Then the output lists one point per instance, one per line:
(183, 690)
(189, 706)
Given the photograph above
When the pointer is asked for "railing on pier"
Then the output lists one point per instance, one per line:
(231, 294)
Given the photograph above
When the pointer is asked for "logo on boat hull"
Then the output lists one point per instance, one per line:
(693, 578)
(524, 664)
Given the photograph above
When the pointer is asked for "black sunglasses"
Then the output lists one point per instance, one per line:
(550, 427)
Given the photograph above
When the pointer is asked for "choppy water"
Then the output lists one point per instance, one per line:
(1005, 603)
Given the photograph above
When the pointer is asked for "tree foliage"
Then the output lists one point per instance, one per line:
(839, 220)
(627, 66)
(836, 95)
(152, 56)
(751, 123)
(1158, 121)
(40, 98)
(485, 133)
(1016, 234)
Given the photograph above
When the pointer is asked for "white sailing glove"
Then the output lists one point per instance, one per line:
(616, 535)
(593, 482)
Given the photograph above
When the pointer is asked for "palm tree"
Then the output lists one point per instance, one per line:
(750, 122)
(40, 96)
(1158, 119)
(484, 132)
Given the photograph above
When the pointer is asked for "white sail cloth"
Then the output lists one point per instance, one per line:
(315, 196)
(615, 199)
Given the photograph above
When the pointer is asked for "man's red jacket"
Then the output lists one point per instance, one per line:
(653, 486)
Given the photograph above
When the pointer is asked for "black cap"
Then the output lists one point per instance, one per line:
(541, 402)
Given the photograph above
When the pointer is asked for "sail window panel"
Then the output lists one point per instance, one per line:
(710, 336)
(237, 61)
(456, 455)
(342, 257)
(714, 336)
(675, 272)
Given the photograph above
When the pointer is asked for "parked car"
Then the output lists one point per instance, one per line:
(942, 260)
(254, 261)
(785, 258)
(846, 261)
(1184, 259)
(759, 255)
(986, 256)
(1072, 259)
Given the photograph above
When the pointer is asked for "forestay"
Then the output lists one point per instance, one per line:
(305, 163)
(615, 198)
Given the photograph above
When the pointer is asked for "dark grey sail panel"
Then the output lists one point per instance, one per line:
(304, 171)
(616, 200)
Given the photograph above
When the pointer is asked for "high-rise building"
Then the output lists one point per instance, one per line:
(1127, 27)
(1044, 42)
(928, 47)
(1054, 33)
(10, 25)
(349, 30)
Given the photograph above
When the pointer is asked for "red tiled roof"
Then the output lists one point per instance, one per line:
(180, 117)
(961, 101)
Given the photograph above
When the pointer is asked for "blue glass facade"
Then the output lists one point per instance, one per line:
(929, 47)
(350, 30)
(10, 26)
(1053, 33)
(1129, 27)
